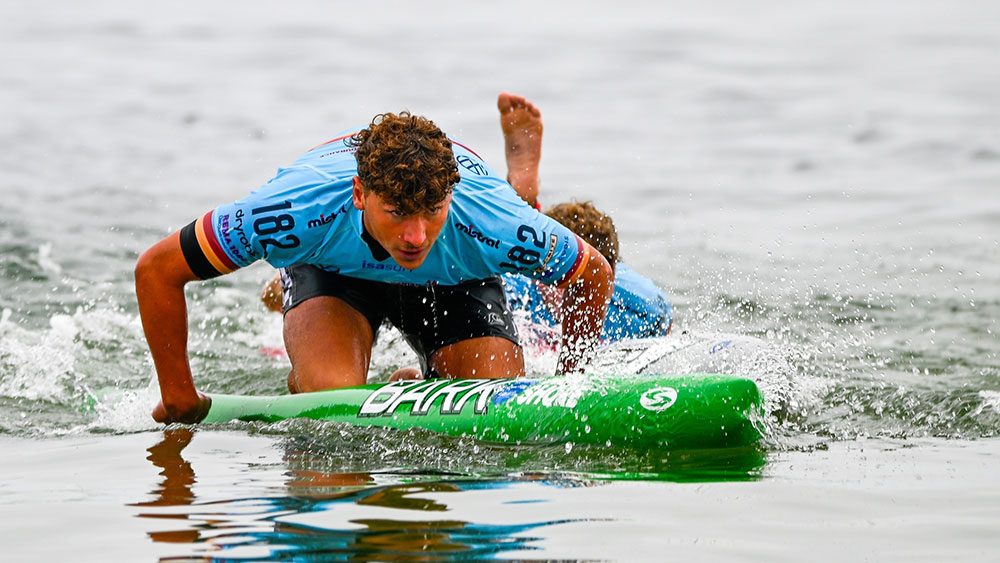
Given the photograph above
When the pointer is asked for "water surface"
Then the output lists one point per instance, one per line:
(820, 176)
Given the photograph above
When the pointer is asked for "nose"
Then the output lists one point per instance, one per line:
(415, 232)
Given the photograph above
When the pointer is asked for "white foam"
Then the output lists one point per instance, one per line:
(38, 365)
(57, 363)
(45, 259)
(991, 400)
(125, 410)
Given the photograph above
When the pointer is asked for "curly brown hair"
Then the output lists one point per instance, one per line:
(591, 224)
(406, 160)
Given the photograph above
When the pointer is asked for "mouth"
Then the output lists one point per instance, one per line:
(410, 255)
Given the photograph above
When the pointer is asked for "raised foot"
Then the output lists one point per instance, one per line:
(521, 123)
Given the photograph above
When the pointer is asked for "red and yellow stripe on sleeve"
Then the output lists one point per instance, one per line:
(203, 251)
(209, 244)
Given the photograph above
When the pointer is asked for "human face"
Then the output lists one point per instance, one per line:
(407, 238)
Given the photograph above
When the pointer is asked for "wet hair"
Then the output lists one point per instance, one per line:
(590, 224)
(406, 160)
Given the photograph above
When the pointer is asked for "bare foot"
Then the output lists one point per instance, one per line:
(521, 123)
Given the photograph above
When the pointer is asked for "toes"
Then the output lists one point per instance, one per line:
(508, 102)
(504, 102)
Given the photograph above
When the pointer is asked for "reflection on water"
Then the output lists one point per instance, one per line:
(324, 514)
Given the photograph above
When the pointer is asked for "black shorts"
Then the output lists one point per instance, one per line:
(429, 316)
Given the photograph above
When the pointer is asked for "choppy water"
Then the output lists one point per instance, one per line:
(822, 176)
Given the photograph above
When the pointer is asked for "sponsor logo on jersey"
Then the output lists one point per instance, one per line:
(472, 165)
(378, 266)
(553, 242)
(451, 397)
(233, 233)
(470, 230)
(325, 219)
(326, 154)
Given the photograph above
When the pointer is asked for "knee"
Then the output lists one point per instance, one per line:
(293, 383)
(305, 380)
(406, 373)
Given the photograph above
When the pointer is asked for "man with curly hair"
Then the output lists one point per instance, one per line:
(638, 308)
(395, 223)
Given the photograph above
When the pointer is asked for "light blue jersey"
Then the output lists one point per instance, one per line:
(305, 215)
(638, 308)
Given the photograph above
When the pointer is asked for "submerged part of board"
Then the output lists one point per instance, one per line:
(671, 412)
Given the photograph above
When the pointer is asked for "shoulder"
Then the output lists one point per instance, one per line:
(332, 159)
(470, 165)
(634, 290)
(510, 235)
(286, 219)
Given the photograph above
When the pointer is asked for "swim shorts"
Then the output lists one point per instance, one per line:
(429, 316)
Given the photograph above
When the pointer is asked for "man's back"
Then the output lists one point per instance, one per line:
(305, 215)
(638, 308)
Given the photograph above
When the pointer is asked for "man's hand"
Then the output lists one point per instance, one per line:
(585, 303)
(271, 295)
(188, 413)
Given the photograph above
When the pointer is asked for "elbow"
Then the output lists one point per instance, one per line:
(161, 269)
(595, 283)
(157, 267)
(145, 268)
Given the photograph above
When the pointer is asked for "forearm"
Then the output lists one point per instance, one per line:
(585, 304)
(160, 276)
(163, 310)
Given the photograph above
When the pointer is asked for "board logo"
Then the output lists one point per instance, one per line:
(562, 392)
(451, 396)
(658, 399)
(720, 346)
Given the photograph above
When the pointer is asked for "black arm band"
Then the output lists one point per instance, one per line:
(195, 257)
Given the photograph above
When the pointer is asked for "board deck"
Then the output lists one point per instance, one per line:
(670, 411)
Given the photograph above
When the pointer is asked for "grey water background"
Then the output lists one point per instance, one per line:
(819, 175)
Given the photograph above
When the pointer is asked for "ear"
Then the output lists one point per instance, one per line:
(358, 194)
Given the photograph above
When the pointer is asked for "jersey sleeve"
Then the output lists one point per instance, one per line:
(266, 225)
(532, 244)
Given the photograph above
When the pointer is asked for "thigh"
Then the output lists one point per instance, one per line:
(329, 344)
(330, 326)
(486, 356)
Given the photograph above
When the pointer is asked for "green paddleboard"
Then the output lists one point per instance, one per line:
(670, 411)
